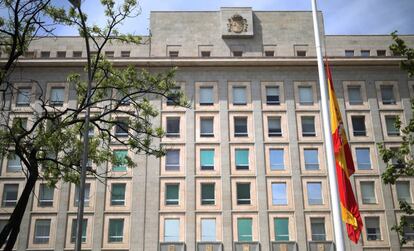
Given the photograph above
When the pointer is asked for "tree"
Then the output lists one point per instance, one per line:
(400, 161)
(50, 145)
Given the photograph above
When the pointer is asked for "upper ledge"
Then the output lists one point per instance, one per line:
(211, 62)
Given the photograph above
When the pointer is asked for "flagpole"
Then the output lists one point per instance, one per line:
(333, 185)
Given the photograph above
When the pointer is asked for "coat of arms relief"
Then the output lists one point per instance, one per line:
(237, 24)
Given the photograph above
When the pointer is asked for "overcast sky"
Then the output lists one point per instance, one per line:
(340, 16)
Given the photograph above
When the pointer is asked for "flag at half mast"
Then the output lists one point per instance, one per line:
(344, 167)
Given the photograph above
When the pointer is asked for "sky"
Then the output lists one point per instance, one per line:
(341, 17)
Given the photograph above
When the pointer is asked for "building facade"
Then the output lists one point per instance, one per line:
(245, 167)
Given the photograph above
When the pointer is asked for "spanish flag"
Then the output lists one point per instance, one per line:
(344, 167)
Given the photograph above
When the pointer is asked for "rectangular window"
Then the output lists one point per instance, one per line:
(173, 127)
(372, 227)
(368, 192)
(365, 53)
(74, 230)
(45, 195)
(269, 53)
(281, 226)
(318, 229)
(23, 96)
(172, 160)
(173, 54)
(276, 157)
(244, 229)
(387, 95)
(207, 159)
(381, 53)
(208, 230)
(118, 194)
(237, 53)
(172, 194)
(87, 195)
(240, 127)
(354, 95)
(206, 95)
(77, 54)
(239, 95)
(42, 231)
(242, 159)
(61, 54)
(363, 158)
(403, 191)
(207, 194)
(45, 54)
(274, 126)
(311, 157)
(207, 127)
(272, 95)
(308, 126)
(314, 193)
(243, 194)
(109, 54)
(121, 165)
(358, 124)
(10, 192)
(392, 130)
(171, 230)
(116, 230)
(20, 122)
(349, 53)
(57, 96)
(305, 95)
(171, 99)
(125, 54)
(13, 163)
(408, 229)
(279, 196)
(205, 54)
(301, 53)
(121, 127)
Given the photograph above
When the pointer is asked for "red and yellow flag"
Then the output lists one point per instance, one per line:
(344, 167)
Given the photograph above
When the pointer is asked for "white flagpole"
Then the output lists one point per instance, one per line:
(333, 185)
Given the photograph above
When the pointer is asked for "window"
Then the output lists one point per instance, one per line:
(237, 53)
(308, 126)
(77, 54)
(208, 229)
(368, 192)
(207, 194)
(358, 124)
(109, 54)
(173, 54)
(272, 95)
(57, 96)
(87, 195)
(269, 53)
(408, 230)
(23, 96)
(276, 157)
(392, 130)
(279, 196)
(311, 159)
(242, 159)
(45, 195)
(206, 95)
(349, 53)
(281, 226)
(207, 127)
(3, 223)
(171, 230)
(13, 163)
(365, 53)
(243, 194)
(42, 231)
(403, 191)
(318, 229)
(172, 160)
(373, 228)
(116, 230)
(74, 230)
(30, 54)
(205, 54)
(314, 193)
(10, 192)
(121, 127)
(301, 53)
(387, 95)
(363, 158)
(173, 126)
(172, 194)
(125, 54)
(207, 159)
(244, 229)
(121, 160)
(20, 122)
(61, 54)
(171, 99)
(354, 95)
(239, 95)
(240, 127)
(45, 54)
(381, 53)
(118, 194)
(274, 127)
(305, 95)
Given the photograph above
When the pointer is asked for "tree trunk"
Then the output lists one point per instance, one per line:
(12, 228)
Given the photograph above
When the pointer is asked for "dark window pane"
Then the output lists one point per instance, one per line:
(358, 124)
(243, 194)
(240, 127)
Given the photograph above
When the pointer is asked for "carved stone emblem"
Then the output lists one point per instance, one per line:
(237, 24)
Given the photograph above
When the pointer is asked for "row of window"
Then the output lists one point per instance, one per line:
(365, 53)
(75, 54)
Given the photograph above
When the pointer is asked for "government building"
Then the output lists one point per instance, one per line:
(245, 167)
